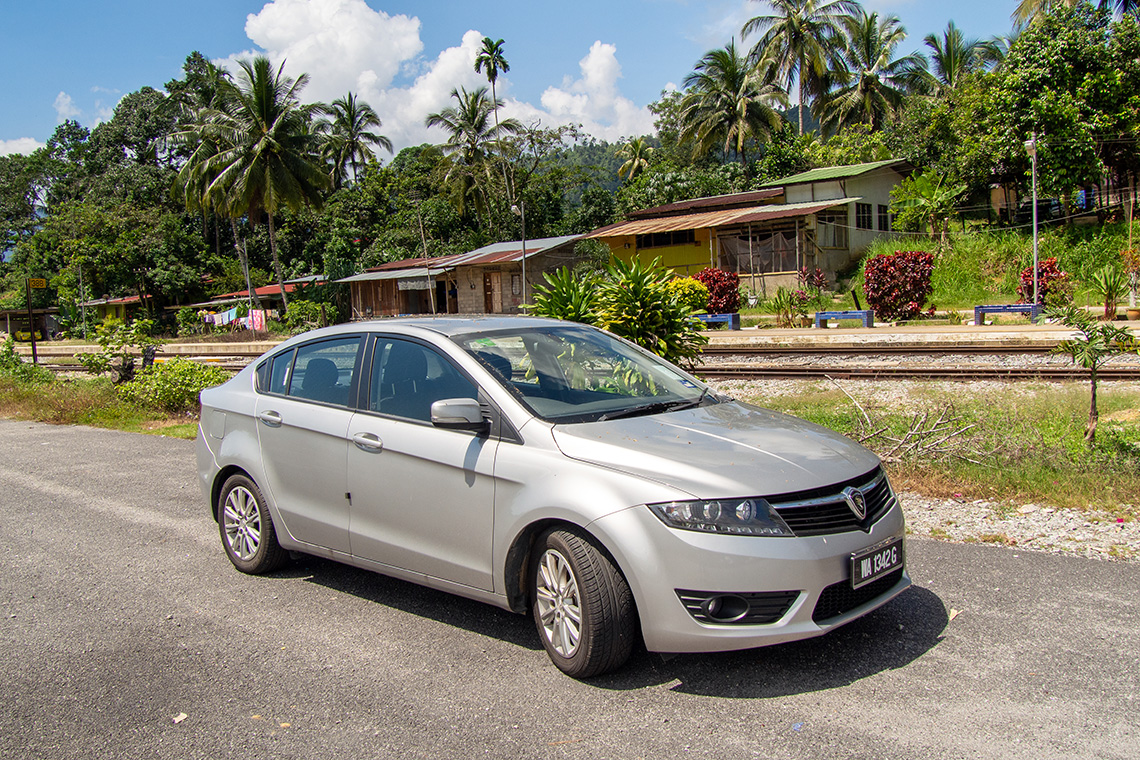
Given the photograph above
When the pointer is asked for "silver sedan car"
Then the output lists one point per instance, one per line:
(553, 469)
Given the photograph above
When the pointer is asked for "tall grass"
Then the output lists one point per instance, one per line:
(83, 401)
(1026, 443)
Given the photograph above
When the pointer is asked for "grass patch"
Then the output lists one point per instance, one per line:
(1020, 443)
(85, 401)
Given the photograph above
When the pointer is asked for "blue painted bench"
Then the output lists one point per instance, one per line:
(1032, 309)
(732, 320)
(867, 315)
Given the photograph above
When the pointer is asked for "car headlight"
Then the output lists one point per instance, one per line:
(737, 517)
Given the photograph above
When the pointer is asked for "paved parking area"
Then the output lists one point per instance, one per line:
(125, 633)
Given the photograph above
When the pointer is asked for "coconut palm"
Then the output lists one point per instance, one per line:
(796, 36)
(349, 137)
(872, 82)
(491, 59)
(730, 100)
(953, 56)
(472, 139)
(194, 184)
(267, 150)
(636, 154)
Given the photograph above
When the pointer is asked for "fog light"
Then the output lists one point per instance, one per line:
(726, 608)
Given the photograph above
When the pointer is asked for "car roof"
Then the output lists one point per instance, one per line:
(449, 325)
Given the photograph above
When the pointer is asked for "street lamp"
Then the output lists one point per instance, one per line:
(1031, 148)
(520, 209)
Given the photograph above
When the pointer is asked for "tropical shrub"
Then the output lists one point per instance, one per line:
(172, 386)
(1054, 288)
(13, 365)
(565, 296)
(1110, 284)
(898, 285)
(306, 315)
(690, 292)
(118, 343)
(634, 302)
(724, 290)
(190, 322)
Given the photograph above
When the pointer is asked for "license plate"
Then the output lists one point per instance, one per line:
(873, 563)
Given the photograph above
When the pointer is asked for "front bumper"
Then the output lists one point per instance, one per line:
(659, 561)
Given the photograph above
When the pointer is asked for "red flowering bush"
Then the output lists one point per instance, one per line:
(813, 279)
(898, 284)
(1053, 285)
(724, 290)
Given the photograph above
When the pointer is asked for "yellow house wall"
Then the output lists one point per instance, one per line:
(682, 259)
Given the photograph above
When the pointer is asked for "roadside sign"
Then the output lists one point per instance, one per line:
(37, 283)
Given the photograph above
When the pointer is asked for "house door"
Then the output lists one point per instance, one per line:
(492, 293)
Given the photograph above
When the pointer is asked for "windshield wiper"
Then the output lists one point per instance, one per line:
(655, 408)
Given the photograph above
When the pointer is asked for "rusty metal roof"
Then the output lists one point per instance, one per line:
(713, 203)
(715, 219)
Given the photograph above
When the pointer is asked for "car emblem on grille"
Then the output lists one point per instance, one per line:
(855, 501)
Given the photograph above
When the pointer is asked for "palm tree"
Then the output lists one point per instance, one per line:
(471, 137)
(730, 101)
(267, 150)
(953, 57)
(349, 137)
(194, 184)
(491, 58)
(796, 36)
(872, 82)
(636, 155)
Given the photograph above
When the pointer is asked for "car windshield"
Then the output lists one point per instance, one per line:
(578, 374)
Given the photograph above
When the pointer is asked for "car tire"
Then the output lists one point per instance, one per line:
(246, 528)
(581, 604)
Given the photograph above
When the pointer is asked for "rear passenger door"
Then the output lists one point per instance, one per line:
(303, 418)
(422, 496)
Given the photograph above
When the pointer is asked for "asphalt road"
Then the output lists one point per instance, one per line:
(119, 613)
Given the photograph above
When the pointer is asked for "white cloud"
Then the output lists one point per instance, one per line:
(344, 45)
(65, 108)
(594, 100)
(24, 145)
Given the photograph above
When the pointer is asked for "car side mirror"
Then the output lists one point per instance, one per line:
(458, 414)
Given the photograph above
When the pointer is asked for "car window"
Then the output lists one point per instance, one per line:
(323, 371)
(577, 374)
(407, 378)
(273, 373)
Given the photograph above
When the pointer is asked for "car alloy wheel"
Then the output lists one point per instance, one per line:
(241, 519)
(559, 607)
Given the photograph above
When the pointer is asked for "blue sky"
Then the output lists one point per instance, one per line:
(590, 62)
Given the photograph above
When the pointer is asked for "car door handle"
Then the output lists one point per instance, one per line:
(273, 419)
(368, 442)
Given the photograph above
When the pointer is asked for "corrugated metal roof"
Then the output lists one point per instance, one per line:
(718, 202)
(396, 274)
(833, 172)
(493, 253)
(715, 219)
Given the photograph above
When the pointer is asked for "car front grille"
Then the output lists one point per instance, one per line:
(839, 598)
(823, 512)
(752, 608)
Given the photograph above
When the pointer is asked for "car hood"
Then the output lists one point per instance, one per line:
(718, 451)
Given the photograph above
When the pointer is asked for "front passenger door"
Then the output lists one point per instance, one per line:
(422, 496)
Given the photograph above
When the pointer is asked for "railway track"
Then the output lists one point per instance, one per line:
(938, 349)
(889, 363)
(793, 371)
